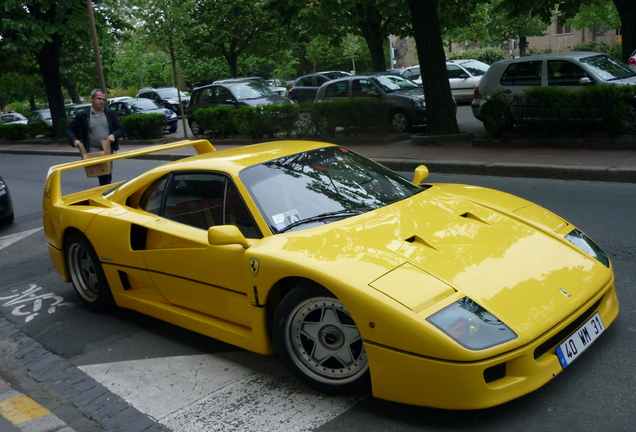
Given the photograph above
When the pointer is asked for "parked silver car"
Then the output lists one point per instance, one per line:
(463, 76)
(570, 70)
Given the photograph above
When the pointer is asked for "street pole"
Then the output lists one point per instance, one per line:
(98, 57)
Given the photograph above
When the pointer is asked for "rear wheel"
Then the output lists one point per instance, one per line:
(319, 342)
(87, 274)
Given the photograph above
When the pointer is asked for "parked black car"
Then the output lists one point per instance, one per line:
(166, 96)
(145, 106)
(306, 87)
(6, 205)
(405, 99)
(234, 93)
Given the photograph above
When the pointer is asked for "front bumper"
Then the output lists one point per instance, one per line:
(411, 379)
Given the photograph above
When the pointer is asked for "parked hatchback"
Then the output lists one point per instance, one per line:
(306, 87)
(405, 99)
(234, 93)
(571, 70)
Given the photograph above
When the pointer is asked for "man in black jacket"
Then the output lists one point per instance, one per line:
(93, 125)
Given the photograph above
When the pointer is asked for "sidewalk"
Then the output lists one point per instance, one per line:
(458, 157)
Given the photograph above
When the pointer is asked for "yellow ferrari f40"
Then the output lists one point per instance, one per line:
(441, 295)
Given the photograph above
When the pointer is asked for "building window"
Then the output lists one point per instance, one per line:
(562, 28)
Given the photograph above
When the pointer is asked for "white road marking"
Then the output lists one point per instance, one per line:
(237, 391)
(10, 239)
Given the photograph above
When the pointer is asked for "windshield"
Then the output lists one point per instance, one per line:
(321, 186)
(608, 68)
(143, 105)
(475, 67)
(392, 83)
(251, 90)
(171, 93)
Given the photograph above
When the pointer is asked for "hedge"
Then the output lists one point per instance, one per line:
(353, 116)
(144, 126)
(610, 108)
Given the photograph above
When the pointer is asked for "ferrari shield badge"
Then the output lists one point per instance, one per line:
(254, 266)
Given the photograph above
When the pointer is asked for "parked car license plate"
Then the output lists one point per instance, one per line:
(580, 340)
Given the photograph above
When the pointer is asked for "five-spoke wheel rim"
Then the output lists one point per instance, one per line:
(323, 340)
(83, 272)
(399, 122)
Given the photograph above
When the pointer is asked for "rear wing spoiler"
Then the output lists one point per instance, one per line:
(53, 188)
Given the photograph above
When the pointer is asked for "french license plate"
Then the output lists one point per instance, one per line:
(580, 340)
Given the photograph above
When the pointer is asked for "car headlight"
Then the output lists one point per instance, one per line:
(471, 326)
(2, 185)
(586, 244)
(418, 103)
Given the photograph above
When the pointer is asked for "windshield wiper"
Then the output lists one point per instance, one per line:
(326, 216)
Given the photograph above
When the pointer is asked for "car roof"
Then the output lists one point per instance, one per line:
(233, 160)
(577, 55)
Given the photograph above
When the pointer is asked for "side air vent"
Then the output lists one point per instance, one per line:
(138, 236)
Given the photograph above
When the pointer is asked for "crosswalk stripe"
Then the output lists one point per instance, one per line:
(237, 391)
(10, 239)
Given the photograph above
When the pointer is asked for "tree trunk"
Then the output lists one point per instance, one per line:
(440, 108)
(523, 45)
(627, 13)
(72, 91)
(48, 58)
(370, 24)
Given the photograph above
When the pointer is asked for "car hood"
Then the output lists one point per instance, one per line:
(416, 93)
(164, 111)
(274, 99)
(501, 251)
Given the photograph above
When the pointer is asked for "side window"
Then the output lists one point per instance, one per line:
(320, 80)
(412, 74)
(522, 74)
(453, 71)
(362, 88)
(339, 89)
(304, 82)
(152, 197)
(200, 200)
(221, 94)
(564, 73)
(195, 199)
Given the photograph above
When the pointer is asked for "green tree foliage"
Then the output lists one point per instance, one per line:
(230, 29)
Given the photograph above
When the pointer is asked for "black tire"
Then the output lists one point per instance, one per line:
(87, 273)
(400, 122)
(8, 219)
(319, 342)
(174, 128)
(194, 127)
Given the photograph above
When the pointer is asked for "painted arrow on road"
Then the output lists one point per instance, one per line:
(10, 239)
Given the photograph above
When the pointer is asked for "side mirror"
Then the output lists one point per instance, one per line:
(226, 235)
(421, 173)
(585, 81)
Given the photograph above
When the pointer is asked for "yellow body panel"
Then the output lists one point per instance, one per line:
(392, 268)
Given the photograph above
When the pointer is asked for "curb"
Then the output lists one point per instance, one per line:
(73, 397)
(560, 172)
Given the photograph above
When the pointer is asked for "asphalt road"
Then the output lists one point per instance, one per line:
(192, 383)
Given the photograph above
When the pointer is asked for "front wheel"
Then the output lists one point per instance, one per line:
(400, 122)
(319, 342)
(87, 274)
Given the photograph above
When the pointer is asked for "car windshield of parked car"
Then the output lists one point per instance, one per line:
(143, 105)
(321, 186)
(251, 90)
(170, 93)
(608, 68)
(475, 67)
(393, 83)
